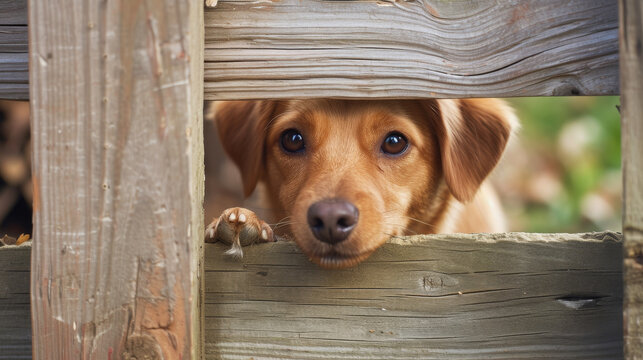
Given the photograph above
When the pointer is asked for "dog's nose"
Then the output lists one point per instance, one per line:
(332, 220)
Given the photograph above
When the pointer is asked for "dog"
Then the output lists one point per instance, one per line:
(343, 176)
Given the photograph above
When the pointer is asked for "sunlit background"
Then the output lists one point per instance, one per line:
(562, 174)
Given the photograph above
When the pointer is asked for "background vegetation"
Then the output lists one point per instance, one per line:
(564, 172)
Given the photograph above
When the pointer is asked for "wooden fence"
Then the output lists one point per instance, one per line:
(116, 265)
(503, 296)
(369, 48)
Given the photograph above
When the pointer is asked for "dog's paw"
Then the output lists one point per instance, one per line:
(238, 227)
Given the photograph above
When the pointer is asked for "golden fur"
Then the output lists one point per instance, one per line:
(436, 186)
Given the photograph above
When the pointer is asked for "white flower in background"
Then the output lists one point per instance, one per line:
(576, 137)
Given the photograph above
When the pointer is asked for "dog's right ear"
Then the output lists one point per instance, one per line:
(242, 129)
(472, 134)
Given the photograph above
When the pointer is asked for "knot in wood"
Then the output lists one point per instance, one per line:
(432, 282)
(142, 347)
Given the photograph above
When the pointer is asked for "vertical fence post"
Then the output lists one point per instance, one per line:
(631, 64)
(116, 93)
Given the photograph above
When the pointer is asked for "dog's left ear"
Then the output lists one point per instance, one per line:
(242, 129)
(473, 134)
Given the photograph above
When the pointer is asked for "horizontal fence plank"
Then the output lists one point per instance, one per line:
(15, 313)
(13, 12)
(14, 57)
(389, 49)
(436, 297)
(501, 296)
(14, 75)
(432, 48)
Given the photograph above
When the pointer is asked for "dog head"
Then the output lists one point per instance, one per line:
(351, 174)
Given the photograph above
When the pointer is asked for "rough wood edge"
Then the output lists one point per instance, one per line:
(197, 175)
(631, 73)
(515, 237)
(482, 238)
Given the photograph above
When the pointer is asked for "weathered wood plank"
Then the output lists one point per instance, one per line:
(13, 12)
(523, 296)
(15, 313)
(370, 48)
(13, 39)
(631, 48)
(400, 49)
(505, 296)
(116, 105)
(14, 57)
(14, 74)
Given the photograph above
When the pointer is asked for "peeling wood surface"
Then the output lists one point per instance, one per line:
(631, 47)
(524, 296)
(14, 57)
(368, 48)
(116, 106)
(521, 296)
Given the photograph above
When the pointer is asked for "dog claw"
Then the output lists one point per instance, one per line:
(239, 227)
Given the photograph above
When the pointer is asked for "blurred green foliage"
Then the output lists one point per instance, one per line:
(569, 158)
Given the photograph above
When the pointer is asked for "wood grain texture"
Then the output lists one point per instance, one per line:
(14, 57)
(505, 296)
(631, 48)
(15, 314)
(116, 106)
(524, 296)
(13, 40)
(401, 49)
(13, 12)
(375, 49)
(14, 73)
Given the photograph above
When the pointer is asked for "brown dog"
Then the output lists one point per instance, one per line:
(347, 175)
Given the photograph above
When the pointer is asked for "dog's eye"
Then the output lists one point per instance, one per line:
(292, 141)
(395, 143)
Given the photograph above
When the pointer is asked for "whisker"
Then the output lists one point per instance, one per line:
(420, 221)
(283, 220)
(253, 208)
(411, 218)
(392, 236)
(282, 225)
(404, 228)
